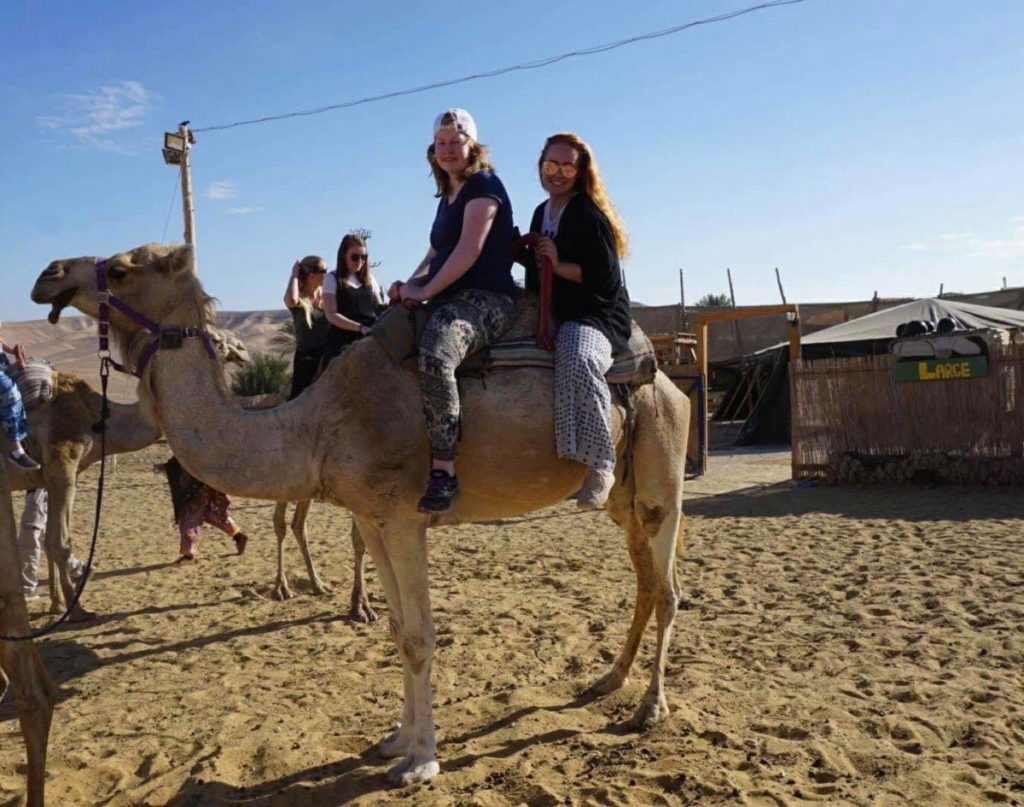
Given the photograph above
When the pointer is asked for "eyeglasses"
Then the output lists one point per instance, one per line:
(551, 169)
(355, 256)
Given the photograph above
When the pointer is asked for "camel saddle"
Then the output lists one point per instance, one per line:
(34, 378)
(399, 330)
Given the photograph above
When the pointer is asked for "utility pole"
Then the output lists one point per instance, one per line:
(188, 211)
(735, 323)
(177, 146)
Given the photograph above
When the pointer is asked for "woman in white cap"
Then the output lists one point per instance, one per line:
(584, 239)
(466, 276)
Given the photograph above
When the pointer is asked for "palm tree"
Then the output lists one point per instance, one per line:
(714, 301)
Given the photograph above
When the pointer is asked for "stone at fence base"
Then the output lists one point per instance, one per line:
(848, 468)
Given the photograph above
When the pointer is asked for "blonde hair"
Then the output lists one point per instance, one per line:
(479, 160)
(308, 266)
(589, 181)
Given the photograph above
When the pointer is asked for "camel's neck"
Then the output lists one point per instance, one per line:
(268, 454)
(128, 430)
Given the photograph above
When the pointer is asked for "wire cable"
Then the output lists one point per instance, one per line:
(538, 63)
(170, 207)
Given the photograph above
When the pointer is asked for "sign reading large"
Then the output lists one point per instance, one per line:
(942, 369)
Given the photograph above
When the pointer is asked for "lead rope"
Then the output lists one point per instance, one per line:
(101, 427)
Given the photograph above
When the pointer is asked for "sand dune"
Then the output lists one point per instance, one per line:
(835, 646)
(71, 344)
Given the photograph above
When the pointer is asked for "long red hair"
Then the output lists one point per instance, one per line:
(589, 181)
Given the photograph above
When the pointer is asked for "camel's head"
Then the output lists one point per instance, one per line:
(155, 280)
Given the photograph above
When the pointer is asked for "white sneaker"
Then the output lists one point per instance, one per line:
(596, 487)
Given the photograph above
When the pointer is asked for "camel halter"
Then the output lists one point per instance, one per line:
(165, 338)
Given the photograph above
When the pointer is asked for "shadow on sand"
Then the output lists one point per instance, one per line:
(905, 502)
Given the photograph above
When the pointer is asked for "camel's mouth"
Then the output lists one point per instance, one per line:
(59, 303)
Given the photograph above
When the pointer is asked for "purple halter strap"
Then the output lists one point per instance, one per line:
(164, 338)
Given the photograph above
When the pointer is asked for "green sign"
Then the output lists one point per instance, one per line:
(942, 369)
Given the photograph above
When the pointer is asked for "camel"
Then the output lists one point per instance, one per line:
(19, 661)
(357, 439)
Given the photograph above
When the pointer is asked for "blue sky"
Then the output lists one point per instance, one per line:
(859, 146)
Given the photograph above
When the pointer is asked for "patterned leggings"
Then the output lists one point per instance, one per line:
(582, 401)
(461, 325)
(12, 411)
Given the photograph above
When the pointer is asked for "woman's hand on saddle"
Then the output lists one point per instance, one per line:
(546, 250)
(394, 292)
(411, 293)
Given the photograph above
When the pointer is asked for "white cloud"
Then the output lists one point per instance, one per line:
(221, 189)
(243, 211)
(95, 119)
(972, 245)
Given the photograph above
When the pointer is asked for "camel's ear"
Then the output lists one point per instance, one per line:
(180, 259)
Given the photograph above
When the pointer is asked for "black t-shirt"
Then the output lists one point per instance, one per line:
(492, 271)
(309, 338)
(585, 238)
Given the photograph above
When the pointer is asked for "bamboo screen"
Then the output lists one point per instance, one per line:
(856, 405)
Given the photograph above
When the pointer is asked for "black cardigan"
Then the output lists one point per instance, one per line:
(585, 238)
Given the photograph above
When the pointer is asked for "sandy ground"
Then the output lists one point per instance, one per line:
(840, 646)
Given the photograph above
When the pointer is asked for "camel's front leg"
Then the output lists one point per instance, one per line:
(61, 487)
(281, 590)
(360, 609)
(299, 530)
(405, 544)
(398, 743)
(36, 695)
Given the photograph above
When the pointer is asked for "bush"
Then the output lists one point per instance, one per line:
(265, 373)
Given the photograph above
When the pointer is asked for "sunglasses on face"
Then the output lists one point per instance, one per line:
(551, 169)
(358, 258)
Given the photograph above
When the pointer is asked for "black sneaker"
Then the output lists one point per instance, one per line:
(23, 461)
(441, 492)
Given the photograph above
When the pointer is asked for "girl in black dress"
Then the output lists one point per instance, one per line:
(352, 297)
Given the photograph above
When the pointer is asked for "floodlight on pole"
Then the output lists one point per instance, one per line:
(176, 148)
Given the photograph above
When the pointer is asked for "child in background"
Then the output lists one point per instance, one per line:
(196, 503)
(12, 414)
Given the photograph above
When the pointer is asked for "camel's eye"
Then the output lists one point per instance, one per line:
(116, 273)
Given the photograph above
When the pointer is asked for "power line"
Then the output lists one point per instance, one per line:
(170, 207)
(545, 62)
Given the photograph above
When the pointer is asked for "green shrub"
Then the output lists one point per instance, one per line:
(265, 373)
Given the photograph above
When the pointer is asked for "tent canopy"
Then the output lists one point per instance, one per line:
(882, 324)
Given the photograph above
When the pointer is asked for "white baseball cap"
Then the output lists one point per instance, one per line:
(463, 121)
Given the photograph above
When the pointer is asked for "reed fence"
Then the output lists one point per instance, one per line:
(855, 407)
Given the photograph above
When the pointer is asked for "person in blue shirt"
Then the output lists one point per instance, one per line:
(466, 277)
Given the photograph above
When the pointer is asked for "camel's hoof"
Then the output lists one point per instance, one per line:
(81, 615)
(412, 770)
(321, 588)
(651, 711)
(362, 612)
(394, 745)
(608, 683)
(56, 608)
(281, 592)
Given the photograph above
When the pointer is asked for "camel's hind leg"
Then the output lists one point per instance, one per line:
(360, 609)
(299, 530)
(649, 507)
(281, 590)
